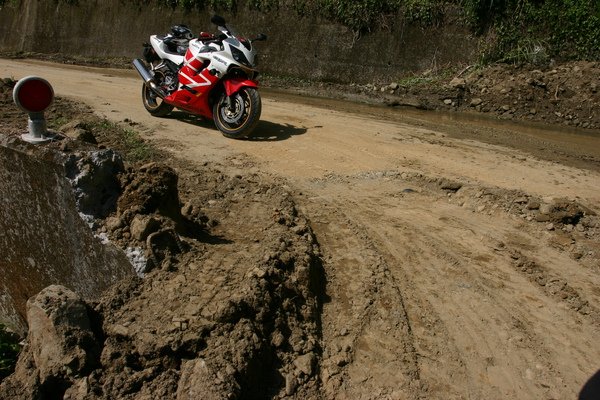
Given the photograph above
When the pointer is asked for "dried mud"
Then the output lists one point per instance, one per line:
(338, 255)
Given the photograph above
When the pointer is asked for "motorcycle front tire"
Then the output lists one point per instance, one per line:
(153, 104)
(238, 119)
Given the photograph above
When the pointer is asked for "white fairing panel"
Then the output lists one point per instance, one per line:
(161, 50)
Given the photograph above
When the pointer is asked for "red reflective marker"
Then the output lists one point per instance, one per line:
(33, 94)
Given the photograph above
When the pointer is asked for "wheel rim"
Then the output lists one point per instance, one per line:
(165, 82)
(236, 115)
(152, 99)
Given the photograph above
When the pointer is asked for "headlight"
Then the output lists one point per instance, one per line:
(240, 57)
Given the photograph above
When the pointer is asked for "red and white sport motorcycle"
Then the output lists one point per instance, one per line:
(213, 76)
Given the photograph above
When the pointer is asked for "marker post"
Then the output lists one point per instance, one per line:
(34, 95)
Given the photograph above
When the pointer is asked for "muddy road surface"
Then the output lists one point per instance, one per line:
(462, 256)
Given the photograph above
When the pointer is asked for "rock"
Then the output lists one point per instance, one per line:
(458, 83)
(74, 124)
(290, 384)
(520, 200)
(394, 86)
(113, 223)
(163, 244)
(79, 390)
(79, 130)
(94, 177)
(568, 228)
(277, 339)
(446, 184)
(475, 102)
(61, 342)
(142, 226)
(196, 381)
(187, 210)
(546, 208)
(542, 218)
(305, 363)
(82, 135)
(118, 330)
(562, 211)
(448, 102)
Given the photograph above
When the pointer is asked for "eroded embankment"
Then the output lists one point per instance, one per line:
(228, 306)
(44, 240)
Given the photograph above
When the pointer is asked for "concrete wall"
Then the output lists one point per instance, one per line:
(302, 47)
(43, 240)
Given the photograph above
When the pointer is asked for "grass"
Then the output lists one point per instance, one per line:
(127, 141)
(137, 149)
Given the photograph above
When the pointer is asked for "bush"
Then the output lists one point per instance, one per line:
(529, 29)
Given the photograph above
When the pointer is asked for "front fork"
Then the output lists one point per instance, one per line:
(229, 102)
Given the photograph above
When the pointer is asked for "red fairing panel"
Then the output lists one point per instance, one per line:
(233, 86)
(196, 99)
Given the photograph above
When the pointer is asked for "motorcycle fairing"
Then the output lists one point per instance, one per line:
(233, 85)
(194, 94)
(199, 73)
(161, 50)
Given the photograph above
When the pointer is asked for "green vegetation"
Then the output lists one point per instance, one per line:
(126, 141)
(536, 30)
(9, 351)
(136, 149)
(532, 31)
(524, 30)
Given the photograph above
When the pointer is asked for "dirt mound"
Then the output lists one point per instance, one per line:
(566, 94)
(228, 306)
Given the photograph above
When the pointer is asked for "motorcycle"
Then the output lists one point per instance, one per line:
(213, 76)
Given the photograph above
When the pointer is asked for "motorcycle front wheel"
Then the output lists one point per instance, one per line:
(154, 104)
(237, 116)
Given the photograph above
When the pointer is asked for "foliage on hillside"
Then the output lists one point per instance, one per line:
(536, 30)
(525, 30)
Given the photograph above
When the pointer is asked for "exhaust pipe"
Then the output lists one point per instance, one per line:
(142, 70)
(147, 76)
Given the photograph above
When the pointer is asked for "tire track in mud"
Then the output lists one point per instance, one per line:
(366, 323)
(472, 326)
(555, 286)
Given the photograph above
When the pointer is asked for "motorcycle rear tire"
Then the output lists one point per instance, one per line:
(153, 104)
(238, 122)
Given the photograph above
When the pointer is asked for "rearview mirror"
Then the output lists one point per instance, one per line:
(218, 20)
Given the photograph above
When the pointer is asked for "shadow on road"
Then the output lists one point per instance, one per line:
(591, 389)
(271, 131)
(192, 119)
(264, 131)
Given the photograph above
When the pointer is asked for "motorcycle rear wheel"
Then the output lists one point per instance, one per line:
(154, 104)
(238, 119)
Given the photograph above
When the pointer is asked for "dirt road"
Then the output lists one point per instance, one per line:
(453, 269)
